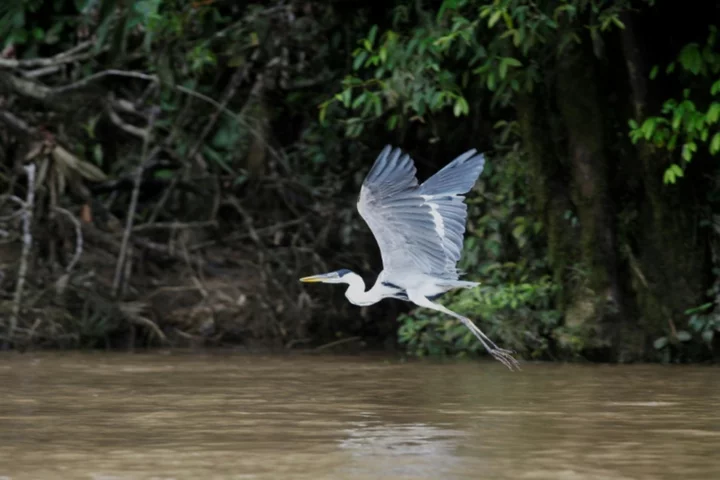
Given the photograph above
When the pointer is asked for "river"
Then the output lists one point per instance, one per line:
(231, 416)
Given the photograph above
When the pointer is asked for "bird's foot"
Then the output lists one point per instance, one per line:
(505, 357)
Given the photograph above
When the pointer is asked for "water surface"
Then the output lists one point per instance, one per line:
(221, 416)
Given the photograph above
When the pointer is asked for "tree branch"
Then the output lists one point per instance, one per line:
(133, 206)
(27, 241)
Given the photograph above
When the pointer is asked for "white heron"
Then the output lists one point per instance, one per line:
(419, 229)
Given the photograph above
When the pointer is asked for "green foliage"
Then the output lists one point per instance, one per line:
(400, 78)
(702, 326)
(23, 23)
(404, 76)
(693, 119)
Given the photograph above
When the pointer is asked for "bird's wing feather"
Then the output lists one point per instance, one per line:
(444, 193)
(419, 228)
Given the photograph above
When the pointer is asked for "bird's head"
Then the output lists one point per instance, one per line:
(338, 276)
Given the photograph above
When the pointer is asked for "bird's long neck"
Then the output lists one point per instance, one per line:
(356, 291)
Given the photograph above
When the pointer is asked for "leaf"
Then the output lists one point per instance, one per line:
(677, 170)
(713, 113)
(68, 161)
(359, 100)
(654, 72)
(506, 62)
(163, 173)
(708, 336)
(372, 35)
(715, 88)
(494, 18)
(377, 103)
(461, 106)
(691, 58)
(648, 127)
(660, 343)
(360, 60)
(687, 152)
(683, 336)
(715, 144)
(392, 122)
(323, 112)
(672, 173)
(346, 97)
(618, 23)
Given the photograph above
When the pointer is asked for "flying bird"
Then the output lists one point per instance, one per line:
(419, 229)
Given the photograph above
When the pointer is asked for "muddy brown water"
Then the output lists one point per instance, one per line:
(229, 416)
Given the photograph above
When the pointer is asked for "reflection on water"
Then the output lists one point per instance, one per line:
(162, 416)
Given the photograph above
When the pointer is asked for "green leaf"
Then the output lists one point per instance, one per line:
(660, 343)
(691, 58)
(672, 173)
(713, 113)
(163, 174)
(687, 152)
(518, 231)
(461, 106)
(683, 336)
(346, 97)
(654, 72)
(648, 127)
(715, 88)
(677, 171)
(377, 103)
(383, 54)
(373, 34)
(360, 60)
(392, 122)
(494, 18)
(708, 336)
(491, 82)
(715, 144)
(359, 100)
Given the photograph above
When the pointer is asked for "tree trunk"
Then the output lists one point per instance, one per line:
(550, 193)
(578, 102)
(671, 267)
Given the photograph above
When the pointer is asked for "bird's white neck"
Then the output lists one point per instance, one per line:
(356, 291)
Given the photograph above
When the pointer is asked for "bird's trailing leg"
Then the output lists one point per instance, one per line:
(500, 354)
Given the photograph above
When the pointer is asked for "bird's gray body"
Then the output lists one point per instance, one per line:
(419, 229)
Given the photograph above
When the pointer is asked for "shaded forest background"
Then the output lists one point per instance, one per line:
(169, 170)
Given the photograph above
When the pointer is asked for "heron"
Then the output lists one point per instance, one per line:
(419, 229)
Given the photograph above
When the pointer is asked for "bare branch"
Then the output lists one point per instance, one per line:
(173, 225)
(27, 241)
(41, 72)
(133, 206)
(78, 238)
(17, 123)
(235, 81)
(68, 56)
(126, 127)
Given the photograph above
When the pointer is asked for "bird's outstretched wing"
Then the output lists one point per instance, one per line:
(419, 228)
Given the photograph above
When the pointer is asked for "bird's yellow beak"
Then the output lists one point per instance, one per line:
(312, 279)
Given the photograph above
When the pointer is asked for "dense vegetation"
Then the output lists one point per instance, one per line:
(173, 167)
